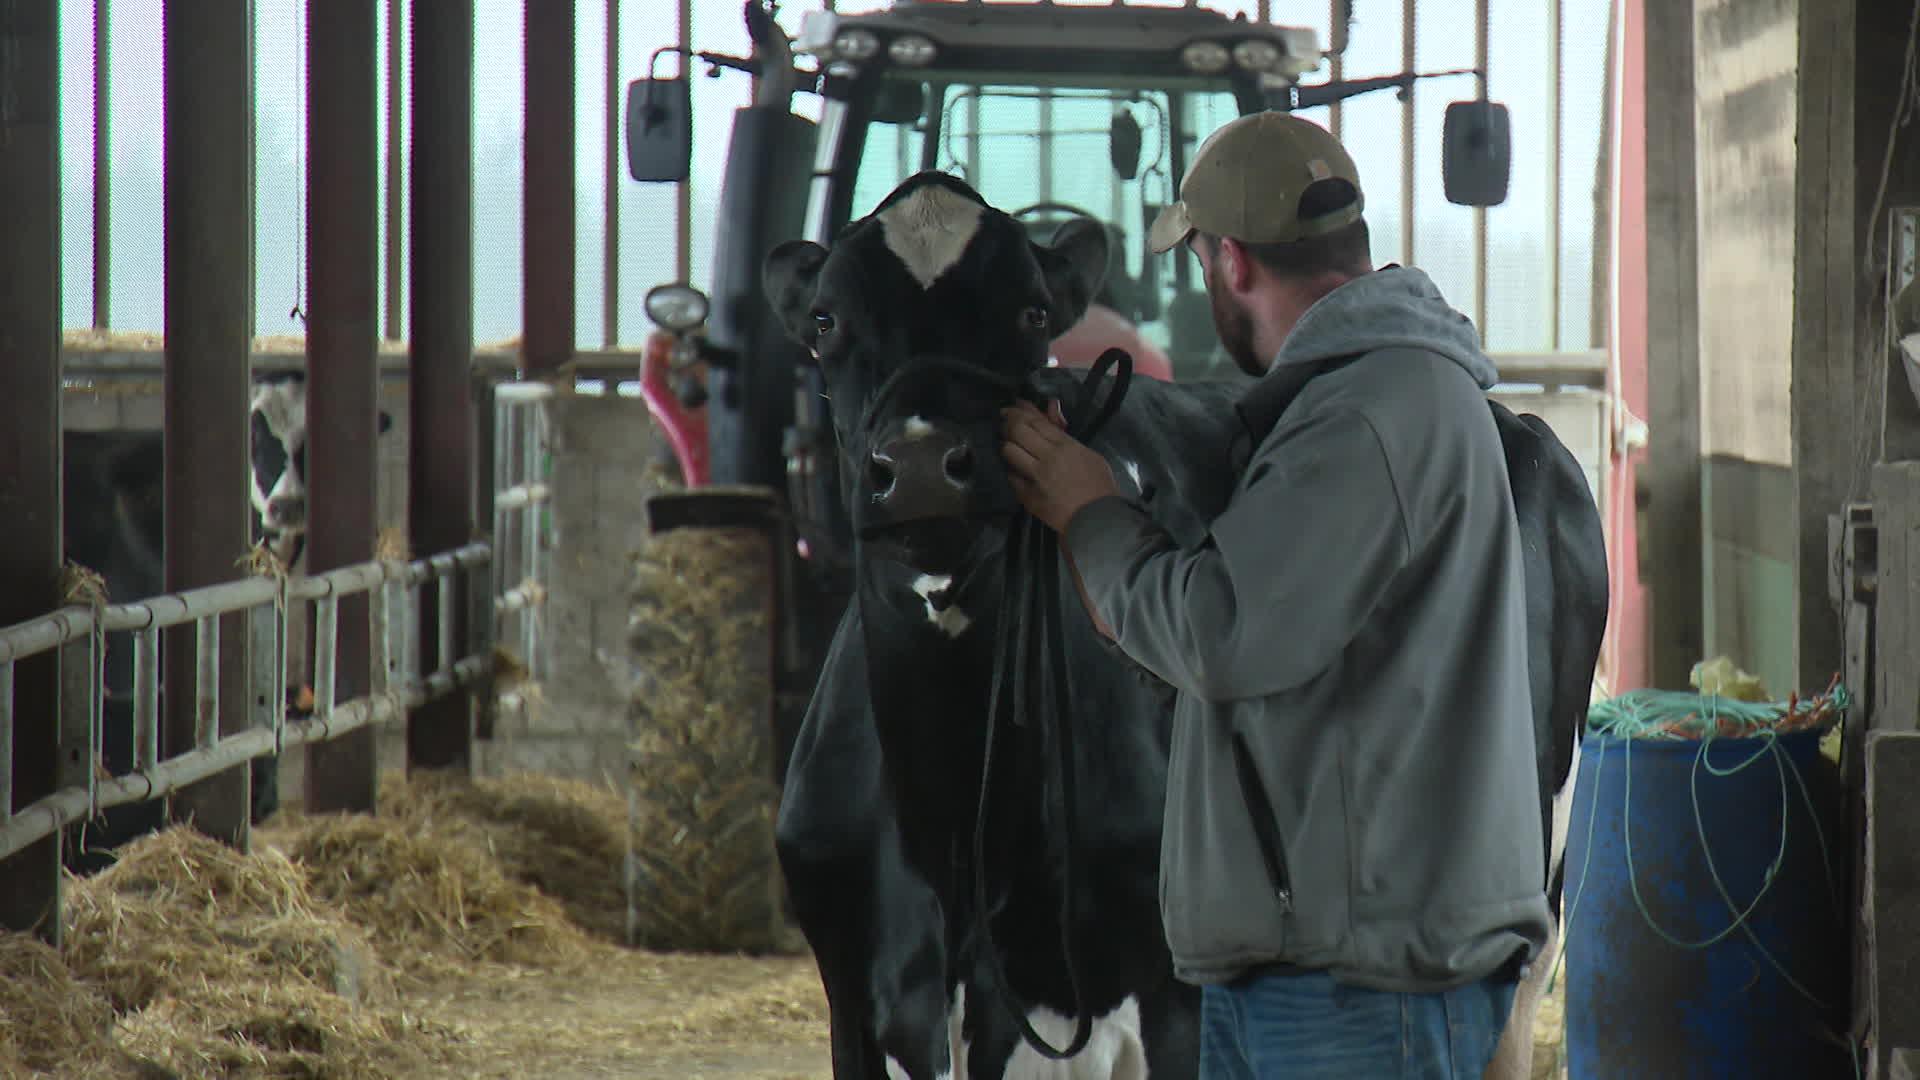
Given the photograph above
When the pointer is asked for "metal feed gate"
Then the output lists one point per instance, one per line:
(505, 585)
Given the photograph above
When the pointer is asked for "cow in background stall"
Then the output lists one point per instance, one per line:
(967, 930)
(115, 526)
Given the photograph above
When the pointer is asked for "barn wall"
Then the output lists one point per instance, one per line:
(1746, 74)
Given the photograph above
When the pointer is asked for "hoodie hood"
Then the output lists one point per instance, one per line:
(1392, 307)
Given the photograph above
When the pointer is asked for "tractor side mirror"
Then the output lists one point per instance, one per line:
(1123, 144)
(1476, 153)
(660, 129)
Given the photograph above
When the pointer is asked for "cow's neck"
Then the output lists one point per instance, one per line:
(930, 695)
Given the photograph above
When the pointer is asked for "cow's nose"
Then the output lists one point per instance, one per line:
(287, 510)
(925, 471)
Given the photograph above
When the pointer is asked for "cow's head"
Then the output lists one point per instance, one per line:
(925, 318)
(278, 459)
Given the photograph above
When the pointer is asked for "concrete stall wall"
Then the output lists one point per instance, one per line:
(576, 724)
(1746, 72)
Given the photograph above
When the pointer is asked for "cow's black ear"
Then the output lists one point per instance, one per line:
(789, 276)
(386, 421)
(1075, 264)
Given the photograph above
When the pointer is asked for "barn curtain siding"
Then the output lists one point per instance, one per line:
(1746, 73)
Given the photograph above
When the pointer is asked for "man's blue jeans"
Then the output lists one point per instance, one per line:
(1307, 1027)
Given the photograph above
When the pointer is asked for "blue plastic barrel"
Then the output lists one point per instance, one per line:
(1640, 1006)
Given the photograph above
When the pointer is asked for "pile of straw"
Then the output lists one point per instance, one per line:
(49, 1020)
(429, 896)
(210, 962)
(564, 837)
(190, 959)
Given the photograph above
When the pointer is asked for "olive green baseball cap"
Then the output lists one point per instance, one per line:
(1247, 178)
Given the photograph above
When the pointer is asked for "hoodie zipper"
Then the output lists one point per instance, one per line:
(1265, 832)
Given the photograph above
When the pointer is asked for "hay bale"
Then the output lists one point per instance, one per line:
(430, 895)
(564, 837)
(702, 874)
(50, 1022)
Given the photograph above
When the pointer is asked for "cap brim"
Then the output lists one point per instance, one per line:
(1170, 229)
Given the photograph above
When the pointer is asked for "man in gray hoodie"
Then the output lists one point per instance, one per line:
(1352, 860)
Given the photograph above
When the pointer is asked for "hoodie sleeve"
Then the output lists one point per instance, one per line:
(1288, 574)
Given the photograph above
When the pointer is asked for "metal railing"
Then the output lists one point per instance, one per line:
(522, 453)
(78, 633)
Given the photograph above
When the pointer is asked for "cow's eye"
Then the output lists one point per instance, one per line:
(822, 323)
(1035, 318)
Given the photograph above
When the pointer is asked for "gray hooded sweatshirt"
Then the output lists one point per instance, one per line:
(1352, 783)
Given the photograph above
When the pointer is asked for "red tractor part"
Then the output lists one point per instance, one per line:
(685, 428)
(1103, 328)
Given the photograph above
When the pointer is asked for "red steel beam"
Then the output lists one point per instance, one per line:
(342, 347)
(547, 312)
(30, 544)
(440, 462)
(208, 178)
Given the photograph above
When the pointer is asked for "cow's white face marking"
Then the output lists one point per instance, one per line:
(1133, 473)
(929, 230)
(1115, 1051)
(918, 428)
(283, 406)
(949, 619)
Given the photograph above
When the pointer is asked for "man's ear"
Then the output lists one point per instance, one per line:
(1236, 264)
(789, 276)
(1074, 266)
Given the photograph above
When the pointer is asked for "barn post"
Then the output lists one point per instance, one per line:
(441, 399)
(208, 257)
(30, 545)
(342, 369)
(1669, 478)
(548, 216)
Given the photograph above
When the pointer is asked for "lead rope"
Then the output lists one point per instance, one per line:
(1041, 684)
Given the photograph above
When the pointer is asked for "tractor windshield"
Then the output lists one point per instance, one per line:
(1046, 153)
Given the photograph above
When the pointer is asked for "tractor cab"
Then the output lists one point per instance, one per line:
(1050, 112)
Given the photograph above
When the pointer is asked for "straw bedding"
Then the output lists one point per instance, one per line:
(189, 959)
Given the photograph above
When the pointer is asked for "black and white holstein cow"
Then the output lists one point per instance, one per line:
(927, 317)
(114, 524)
(277, 452)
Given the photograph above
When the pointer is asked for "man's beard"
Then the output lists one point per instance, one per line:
(1235, 327)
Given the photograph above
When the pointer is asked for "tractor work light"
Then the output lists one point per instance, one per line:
(1256, 55)
(855, 45)
(911, 50)
(676, 308)
(1205, 57)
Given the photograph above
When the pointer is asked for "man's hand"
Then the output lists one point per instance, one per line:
(1052, 473)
